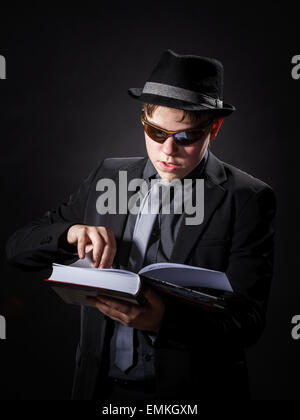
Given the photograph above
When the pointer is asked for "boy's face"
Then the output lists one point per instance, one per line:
(170, 160)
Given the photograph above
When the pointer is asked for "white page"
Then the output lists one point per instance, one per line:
(105, 278)
(187, 275)
(86, 262)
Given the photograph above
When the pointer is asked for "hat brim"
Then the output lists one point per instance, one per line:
(149, 98)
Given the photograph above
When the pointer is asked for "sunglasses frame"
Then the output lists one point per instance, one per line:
(170, 133)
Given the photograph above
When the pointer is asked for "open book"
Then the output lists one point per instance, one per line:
(73, 283)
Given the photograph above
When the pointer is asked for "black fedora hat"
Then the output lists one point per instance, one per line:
(188, 82)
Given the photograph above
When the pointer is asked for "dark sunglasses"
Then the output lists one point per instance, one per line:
(181, 138)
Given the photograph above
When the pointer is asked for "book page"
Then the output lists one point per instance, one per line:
(100, 278)
(188, 276)
(86, 262)
(81, 272)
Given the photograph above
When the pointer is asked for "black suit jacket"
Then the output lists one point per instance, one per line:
(198, 355)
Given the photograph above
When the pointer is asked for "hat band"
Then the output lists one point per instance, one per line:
(182, 94)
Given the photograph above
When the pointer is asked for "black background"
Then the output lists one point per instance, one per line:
(64, 107)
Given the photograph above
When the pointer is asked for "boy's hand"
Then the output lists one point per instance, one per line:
(147, 317)
(97, 238)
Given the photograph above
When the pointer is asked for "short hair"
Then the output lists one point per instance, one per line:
(194, 115)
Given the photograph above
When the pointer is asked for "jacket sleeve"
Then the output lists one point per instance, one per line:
(41, 242)
(250, 270)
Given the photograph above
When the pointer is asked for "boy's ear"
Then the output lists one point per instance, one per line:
(215, 128)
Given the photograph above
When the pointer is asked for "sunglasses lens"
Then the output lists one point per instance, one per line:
(188, 137)
(155, 134)
(183, 138)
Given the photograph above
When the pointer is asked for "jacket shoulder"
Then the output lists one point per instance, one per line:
(109, 167)
(117, 163)
(240, 180)
(240, 185)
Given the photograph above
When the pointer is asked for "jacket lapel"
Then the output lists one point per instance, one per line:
(214, 174)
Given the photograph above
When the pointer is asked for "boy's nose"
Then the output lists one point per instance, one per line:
(169, 147)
